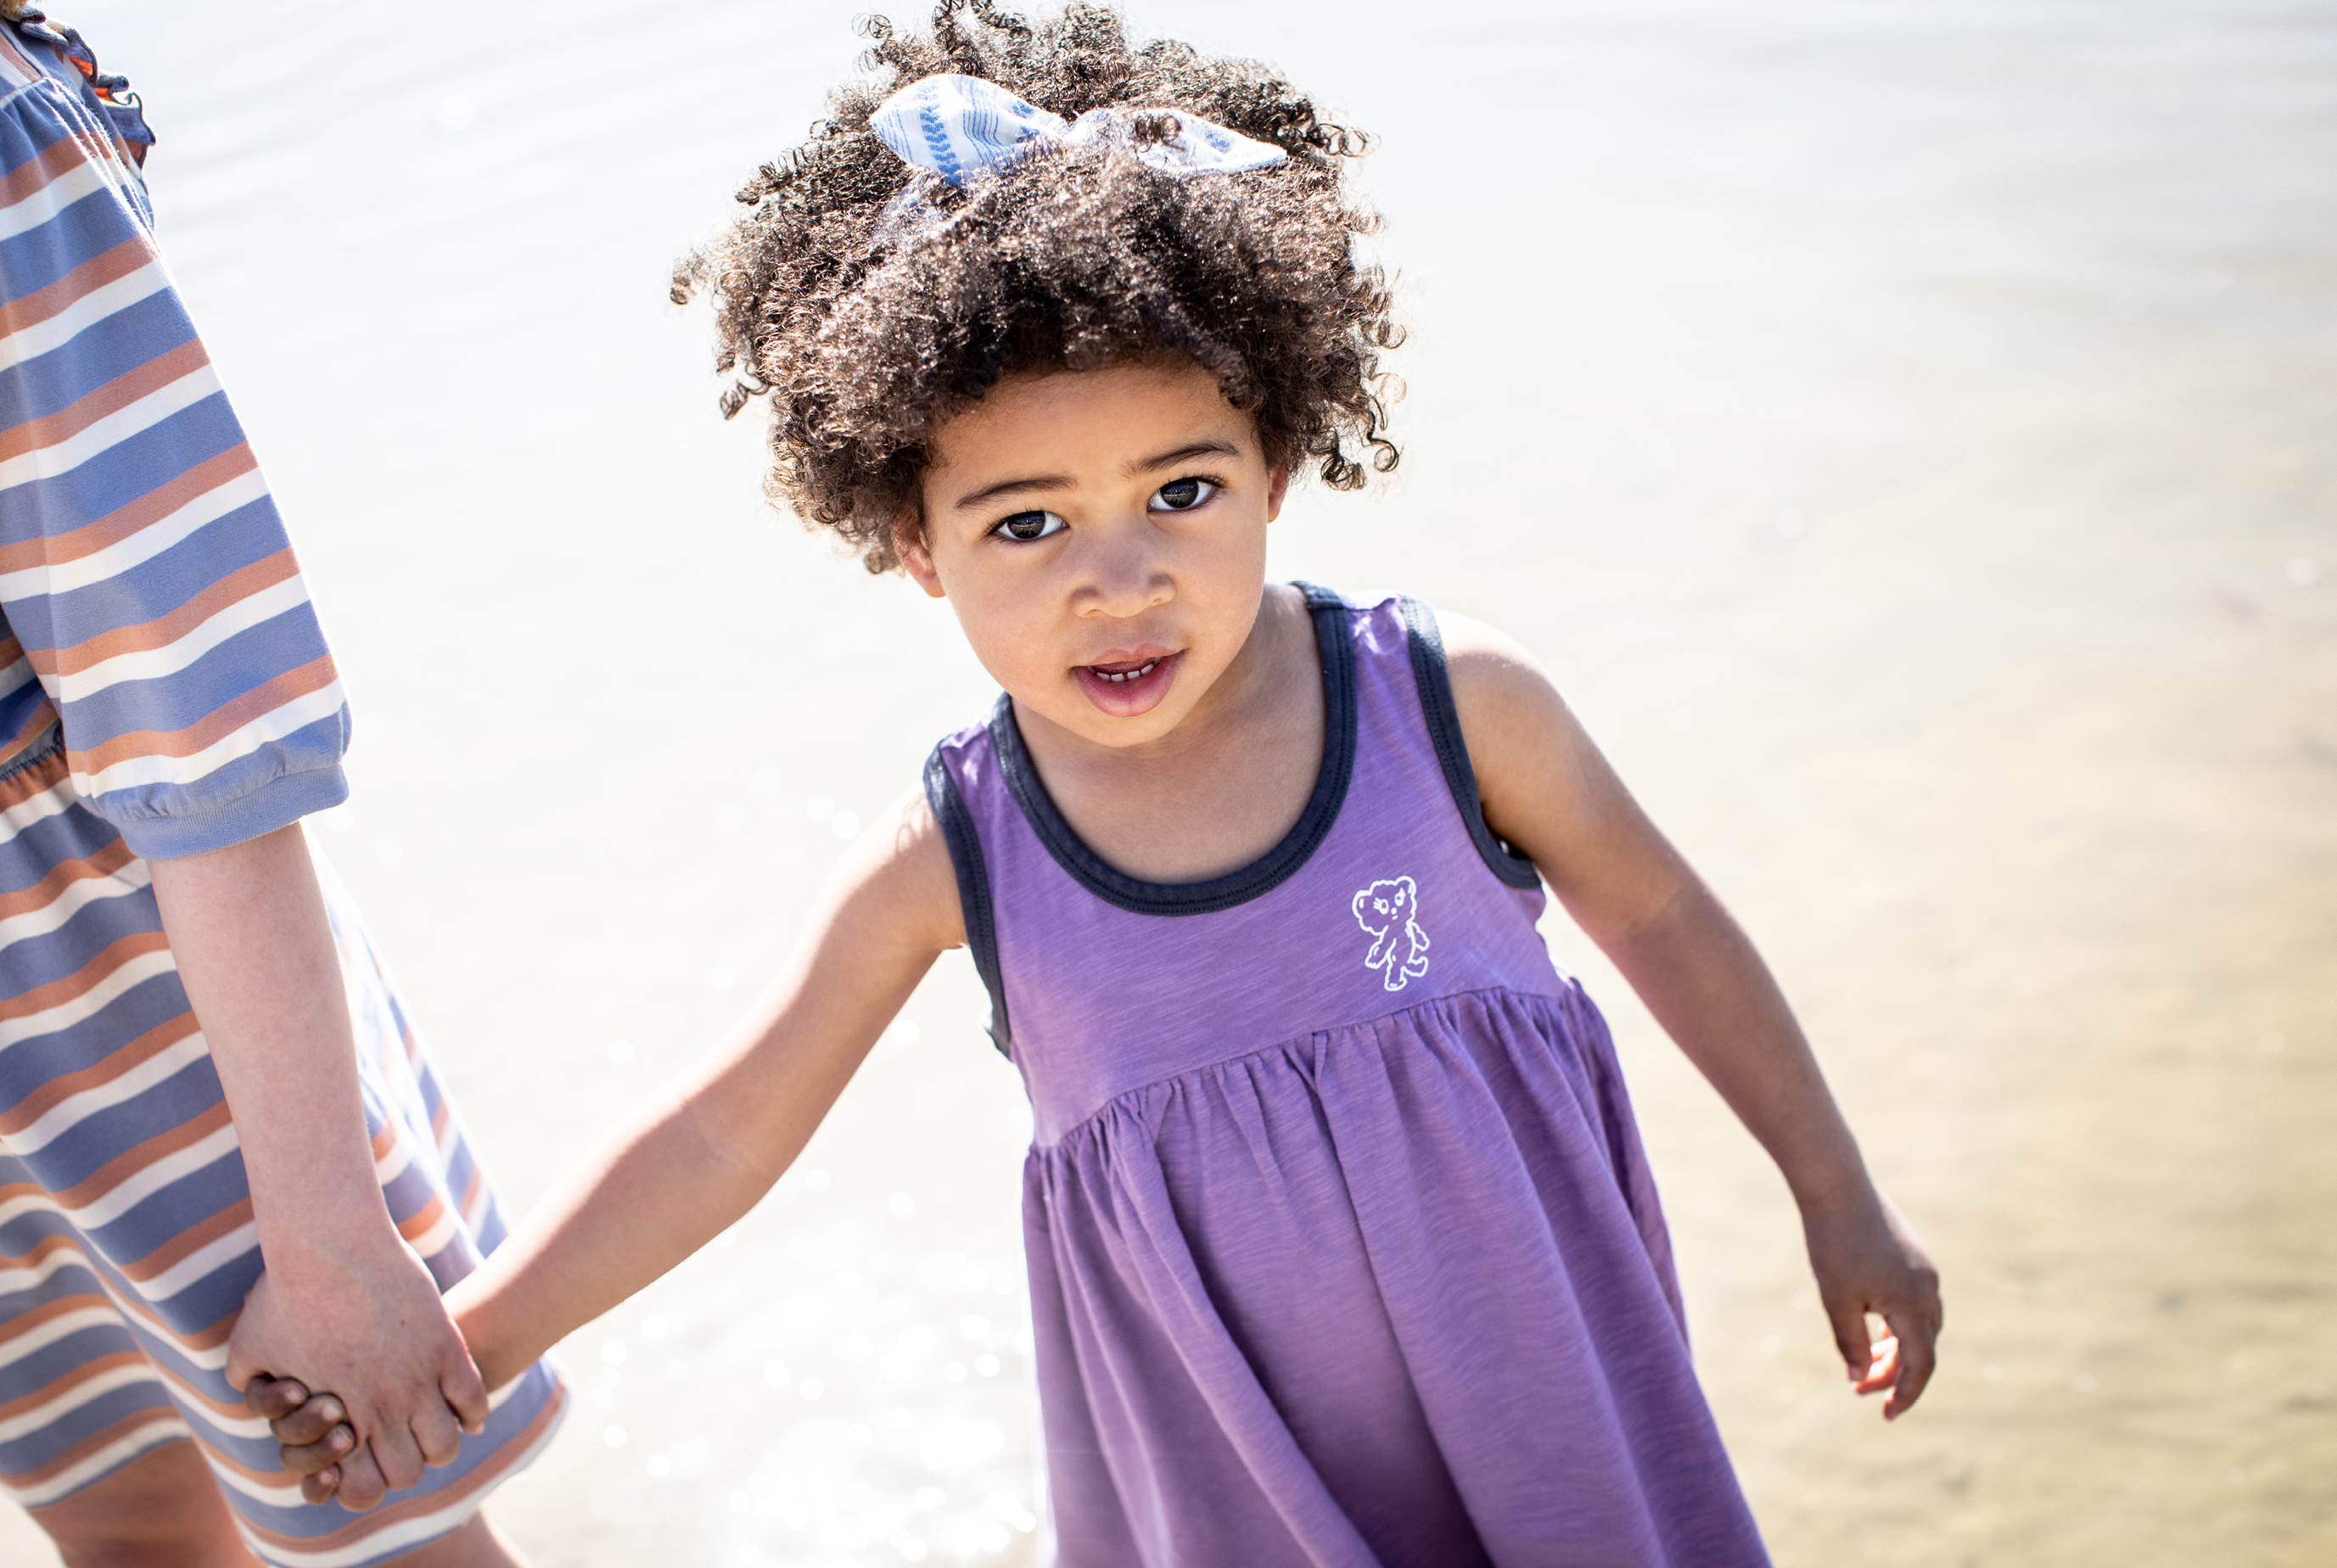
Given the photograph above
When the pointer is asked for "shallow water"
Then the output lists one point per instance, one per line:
(1904, 429)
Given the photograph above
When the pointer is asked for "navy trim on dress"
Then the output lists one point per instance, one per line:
(1444, 732)
(973, 889)
(1334, 643)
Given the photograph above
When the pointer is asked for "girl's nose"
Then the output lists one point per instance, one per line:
(1125, 578)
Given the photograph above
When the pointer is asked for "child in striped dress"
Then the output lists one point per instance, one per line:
(1343, 1251)
(201, 1056)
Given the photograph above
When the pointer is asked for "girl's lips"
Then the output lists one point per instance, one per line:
(1126, 689)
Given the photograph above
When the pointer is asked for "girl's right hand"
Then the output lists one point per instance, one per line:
(315, 1440)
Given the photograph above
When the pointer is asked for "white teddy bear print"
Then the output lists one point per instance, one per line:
(1390, 911)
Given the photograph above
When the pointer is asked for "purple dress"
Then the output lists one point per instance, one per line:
(1343, 1247)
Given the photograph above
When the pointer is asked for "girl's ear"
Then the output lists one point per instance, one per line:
(909, 544)
(1277, 486)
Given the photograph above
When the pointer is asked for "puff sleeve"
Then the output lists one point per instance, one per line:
(154, 612)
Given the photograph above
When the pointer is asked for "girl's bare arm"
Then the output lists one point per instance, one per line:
(1546, 790)
(699, 1154)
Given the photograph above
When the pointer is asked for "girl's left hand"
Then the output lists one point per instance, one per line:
(1868, 1261)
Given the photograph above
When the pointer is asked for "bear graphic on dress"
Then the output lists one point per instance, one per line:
(1390, 911)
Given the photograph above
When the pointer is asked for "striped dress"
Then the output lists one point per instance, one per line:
(164, 690)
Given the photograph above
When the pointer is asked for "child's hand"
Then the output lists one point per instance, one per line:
(315, 1440)
(1867, 1260)
(377, 1331)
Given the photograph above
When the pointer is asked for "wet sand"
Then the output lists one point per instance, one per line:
(1905, 432)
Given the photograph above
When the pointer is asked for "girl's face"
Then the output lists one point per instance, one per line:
(1102, 535)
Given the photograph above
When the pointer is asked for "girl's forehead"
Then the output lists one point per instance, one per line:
(1126, 403)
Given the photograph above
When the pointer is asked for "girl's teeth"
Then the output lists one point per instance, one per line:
(1130, 674)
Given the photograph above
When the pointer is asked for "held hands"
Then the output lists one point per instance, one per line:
(1868, 1261)
(376, 1331)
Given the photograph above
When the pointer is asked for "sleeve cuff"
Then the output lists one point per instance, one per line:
(279, 802)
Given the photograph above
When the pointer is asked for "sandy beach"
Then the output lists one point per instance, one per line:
(1908, 433)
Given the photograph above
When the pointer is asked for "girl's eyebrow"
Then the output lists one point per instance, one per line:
(990, 492)
(1190, 449)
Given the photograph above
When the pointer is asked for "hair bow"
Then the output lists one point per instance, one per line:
(961, 126)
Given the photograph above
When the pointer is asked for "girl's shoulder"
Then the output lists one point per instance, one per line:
(1491, 672)
(1495, 682)
(1539, 780)
(1502, 732)
(896, 882)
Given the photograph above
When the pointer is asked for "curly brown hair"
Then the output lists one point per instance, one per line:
(867, 335)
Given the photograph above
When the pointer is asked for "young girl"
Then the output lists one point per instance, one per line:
(1343, 1247)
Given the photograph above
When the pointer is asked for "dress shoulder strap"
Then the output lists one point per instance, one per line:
(1443, 720)
(956, 820)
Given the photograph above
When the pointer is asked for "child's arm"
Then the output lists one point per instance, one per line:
(253, 948)
(1546, 790)
(702, 1152)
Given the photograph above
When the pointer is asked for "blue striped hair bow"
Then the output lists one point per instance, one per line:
(958, 127)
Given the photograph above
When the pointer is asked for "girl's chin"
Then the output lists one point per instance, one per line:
(1134, 697)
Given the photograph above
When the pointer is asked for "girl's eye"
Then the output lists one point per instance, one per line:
(1026, 526)
(1183, 494)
